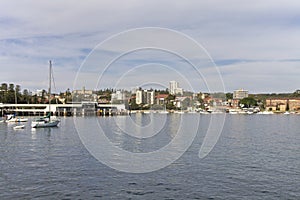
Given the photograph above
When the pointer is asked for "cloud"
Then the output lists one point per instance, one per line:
(259, 77)
(257, 38)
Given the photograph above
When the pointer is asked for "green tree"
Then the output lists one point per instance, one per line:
(34, 99)
(18, 89)
(170, 106)
(25, 97)
(55, 101)
(133, 105)
(43, 98)
(11, 87)
(248, 102)
(3, 91)
(4, 86)
(169, 102)
(18, 93)
(170, 97)
(229, 95)
(67, 95)
(186, 103)
(10, 98)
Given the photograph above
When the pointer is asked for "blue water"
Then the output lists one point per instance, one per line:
(256, 157)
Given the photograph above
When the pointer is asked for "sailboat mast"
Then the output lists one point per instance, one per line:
(49, 90)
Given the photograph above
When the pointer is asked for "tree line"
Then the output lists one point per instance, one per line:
(11, 93)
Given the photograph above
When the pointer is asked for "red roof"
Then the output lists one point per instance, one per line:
(162, 96)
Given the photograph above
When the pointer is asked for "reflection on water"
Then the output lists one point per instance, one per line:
(130, 133)
(256, 157)
(141, 125)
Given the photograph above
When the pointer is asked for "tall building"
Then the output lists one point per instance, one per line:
(145, 97)
(174, 88)
(139, 96)
(240, 94)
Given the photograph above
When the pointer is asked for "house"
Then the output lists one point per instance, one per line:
(283, 104)
(294, 104)
(278, 104)
(161, 98)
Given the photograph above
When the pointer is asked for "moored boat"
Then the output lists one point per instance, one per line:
(19, 127)
(12, 118)
(47, 121)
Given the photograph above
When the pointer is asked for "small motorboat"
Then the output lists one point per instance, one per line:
(19, 127)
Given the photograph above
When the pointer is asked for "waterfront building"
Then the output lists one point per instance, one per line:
(237, 96)
(283, 104)
(83, 108)
(144, 97)
(118, 95)
(294, 104)
(161, 98)
(83, 91)
(174, 88)
(183, 102)
(139, 97)
(84, 95)
(240, 94)
(39, 93)
(150, 97)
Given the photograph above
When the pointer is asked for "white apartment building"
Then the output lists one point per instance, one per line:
(150, 97)
(39, 93)
(240, 94)
(139, 96)
(145, 97)
(118, 95)
(174, 88)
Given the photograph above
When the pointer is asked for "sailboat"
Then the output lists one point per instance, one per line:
(12, 117)
(46, 121)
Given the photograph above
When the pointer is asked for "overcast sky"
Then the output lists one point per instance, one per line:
(255, 44)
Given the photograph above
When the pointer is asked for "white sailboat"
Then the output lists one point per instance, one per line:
(47, 121)
(12, 117)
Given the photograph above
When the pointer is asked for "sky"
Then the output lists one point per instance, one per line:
(204, 45)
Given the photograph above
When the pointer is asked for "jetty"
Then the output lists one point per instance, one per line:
(73, 109)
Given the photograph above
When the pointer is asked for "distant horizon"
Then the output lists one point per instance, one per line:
(126, 89)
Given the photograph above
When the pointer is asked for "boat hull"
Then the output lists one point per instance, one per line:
(44, 124)
(19, 127)
(17, 120)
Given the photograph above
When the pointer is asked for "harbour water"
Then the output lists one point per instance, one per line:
(256, 157)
